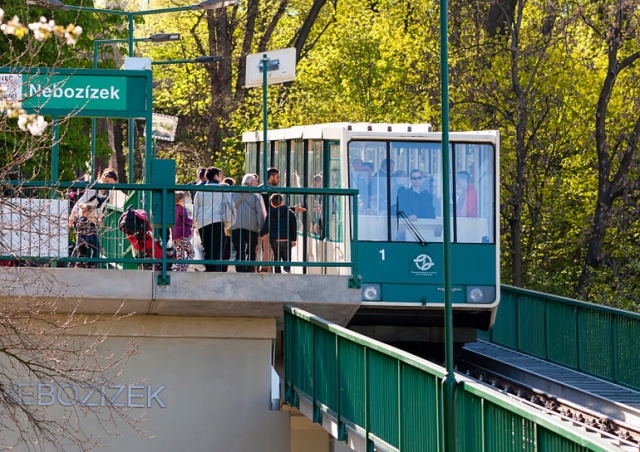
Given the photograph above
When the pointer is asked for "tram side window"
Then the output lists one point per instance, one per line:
(364, 158)
(297, 174)
(315, 176)
(474, 193)
(251, 157)
(334, 203)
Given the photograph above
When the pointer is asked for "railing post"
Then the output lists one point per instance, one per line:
(163, 278)
(356, 281)
(342, 431)
(614, 349)
(369, 446)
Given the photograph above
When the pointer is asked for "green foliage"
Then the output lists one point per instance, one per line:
(538, 83)
(367, 70)
(34, 155)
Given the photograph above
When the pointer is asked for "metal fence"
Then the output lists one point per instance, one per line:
(36, 228)
(594, 339)
(392, 400)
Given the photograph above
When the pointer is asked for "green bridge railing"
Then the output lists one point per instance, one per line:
(593, 339)
(393, 400)
(34, 217)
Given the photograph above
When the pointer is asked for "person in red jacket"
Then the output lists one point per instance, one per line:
(467, 202)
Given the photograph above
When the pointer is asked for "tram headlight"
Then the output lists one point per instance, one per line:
(481, 294)
(371, 292)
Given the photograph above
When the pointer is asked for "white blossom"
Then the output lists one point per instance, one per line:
(72, 34)
(15, 28)
(43, 29)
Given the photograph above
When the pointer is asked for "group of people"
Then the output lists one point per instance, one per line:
(262, 224)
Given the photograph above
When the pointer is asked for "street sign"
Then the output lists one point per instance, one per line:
(281, 67)
(164, 127)
(62, 92)
(88, 93)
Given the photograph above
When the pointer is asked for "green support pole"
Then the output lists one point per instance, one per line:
(93, 120)
(265, 122)
(131, 50)
(94, 129)
(132, 122)
(55, 150)
(449, 382)
(132, 139)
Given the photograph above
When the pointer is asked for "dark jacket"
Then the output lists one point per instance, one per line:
(280, 224)
(418, 204)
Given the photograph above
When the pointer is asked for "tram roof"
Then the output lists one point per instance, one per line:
(336, 130)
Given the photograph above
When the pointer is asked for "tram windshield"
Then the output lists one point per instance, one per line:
(400, 191)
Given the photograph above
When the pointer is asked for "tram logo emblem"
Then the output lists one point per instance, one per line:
(423, 262)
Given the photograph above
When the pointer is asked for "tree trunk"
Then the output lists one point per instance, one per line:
(608, 188)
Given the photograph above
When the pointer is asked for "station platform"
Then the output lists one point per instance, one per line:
(190, 293)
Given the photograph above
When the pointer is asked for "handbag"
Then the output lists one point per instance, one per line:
(196, 242)
(229, 213)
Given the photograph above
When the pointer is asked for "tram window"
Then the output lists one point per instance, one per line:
(251, 157)
(297, 165)
(315, 176)
(474, 193)
(416, 205)
(334, 206)
(365, 157)
(280, 158)
(297, 174)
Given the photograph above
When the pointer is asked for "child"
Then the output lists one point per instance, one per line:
(281, 226)
(181, 233)
(86, 226)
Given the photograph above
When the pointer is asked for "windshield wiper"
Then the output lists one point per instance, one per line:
(411, 227)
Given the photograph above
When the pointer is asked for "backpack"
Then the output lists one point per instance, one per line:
(134, 222)
(229, 212)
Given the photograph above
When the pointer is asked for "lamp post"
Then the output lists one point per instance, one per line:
(158, 37)
(204, 5)
(201, 60)
(449, 382)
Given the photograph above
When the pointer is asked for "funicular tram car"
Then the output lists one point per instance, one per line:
(397, 169)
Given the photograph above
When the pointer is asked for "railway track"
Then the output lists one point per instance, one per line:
(599, 407)
(612, 412)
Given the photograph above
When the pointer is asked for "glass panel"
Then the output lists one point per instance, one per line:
(281, 162)
(297, 166)
(364, 157)
(416, 204)
(380, 181)
(297, 175)
(315, 175)
(251, 157)
(474, 200)
(335, 224)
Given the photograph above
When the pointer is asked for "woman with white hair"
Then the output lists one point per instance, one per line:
(250, 217)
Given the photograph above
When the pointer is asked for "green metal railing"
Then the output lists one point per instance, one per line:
(589, 338)
(393, 400)
(113, 245)
(24, 225)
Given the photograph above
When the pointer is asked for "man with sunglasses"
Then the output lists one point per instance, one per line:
(414, 201)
